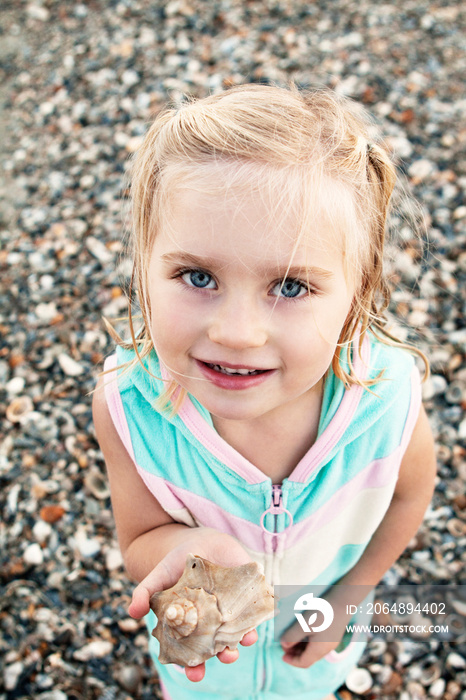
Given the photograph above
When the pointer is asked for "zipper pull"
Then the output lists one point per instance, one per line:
(276, 508)
(277, 498)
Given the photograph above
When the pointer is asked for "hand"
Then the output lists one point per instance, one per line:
(302, 650)
(227, 656)
(210, 544)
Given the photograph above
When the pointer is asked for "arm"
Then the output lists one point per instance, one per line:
(154, 547)
(411, 497)
(145, 532)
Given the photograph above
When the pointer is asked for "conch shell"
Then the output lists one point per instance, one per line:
(210, 608)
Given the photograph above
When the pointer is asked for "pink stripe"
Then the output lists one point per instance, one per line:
(208, 436)
(343, 417)
(115, 405)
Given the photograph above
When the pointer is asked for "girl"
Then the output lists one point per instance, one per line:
(263, 411)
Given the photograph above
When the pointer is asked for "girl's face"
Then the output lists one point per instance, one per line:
(223, 325)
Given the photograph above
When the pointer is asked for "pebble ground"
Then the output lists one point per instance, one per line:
(78, 84)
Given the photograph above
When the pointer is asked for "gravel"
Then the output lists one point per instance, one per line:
(79, 82)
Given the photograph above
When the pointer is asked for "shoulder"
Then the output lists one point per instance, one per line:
(101, 413)
(127, 395)
(394, 361)
(105, 429)
(109, 418)
(107, 400)
(140, 375)
(394, 374)
(392, 401)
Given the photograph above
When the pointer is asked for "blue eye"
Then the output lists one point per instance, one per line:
(199, 279)
(291, 288)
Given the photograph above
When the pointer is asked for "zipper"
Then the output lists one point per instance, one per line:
(276, 508)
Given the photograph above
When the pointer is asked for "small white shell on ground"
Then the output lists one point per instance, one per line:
(18, 408)
(211, 607)
(359, 680)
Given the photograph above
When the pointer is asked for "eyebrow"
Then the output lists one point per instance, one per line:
(182, 258)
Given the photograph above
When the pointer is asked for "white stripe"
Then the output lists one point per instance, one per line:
(354, 525)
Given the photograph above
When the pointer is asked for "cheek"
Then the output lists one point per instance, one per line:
(172, 323)
(313, 339)
(330, 315)
(312, 354)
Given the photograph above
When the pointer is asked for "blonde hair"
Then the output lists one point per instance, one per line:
(315, 135)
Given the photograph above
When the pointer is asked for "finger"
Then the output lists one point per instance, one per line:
(140, 602)
(160, 578)
(228, 656)
(249, 638)
(195, 673)
(308, 654)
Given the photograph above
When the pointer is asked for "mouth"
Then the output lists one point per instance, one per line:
(231, 371)
(233, 377)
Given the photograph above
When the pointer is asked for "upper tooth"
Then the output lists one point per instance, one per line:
(229, 370)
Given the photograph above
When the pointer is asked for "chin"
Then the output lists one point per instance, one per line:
(233, 412)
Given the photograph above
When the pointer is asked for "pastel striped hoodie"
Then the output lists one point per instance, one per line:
(310, 529)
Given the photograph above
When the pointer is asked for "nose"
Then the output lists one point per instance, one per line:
(238, 324)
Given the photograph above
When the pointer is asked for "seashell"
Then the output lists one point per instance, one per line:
(452, 691)
(393, 683)
(416, 690)
(455, 392)
(459, 501)
(456, 624)
(377, 647)
(443, 453)
(18, 408)
(459, 606)
(456, 527)
(430, 672)
(345, 694)
(130, 677)
(455, 660)
(359, 680)
(96, 484)
(437, 689)
(210, 608)
(422, 625)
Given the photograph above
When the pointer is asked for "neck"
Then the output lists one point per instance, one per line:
(275, 442)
